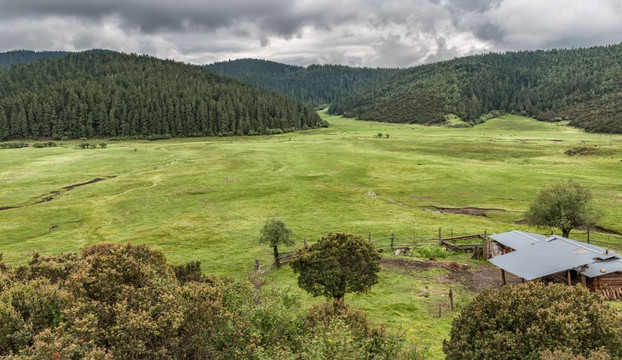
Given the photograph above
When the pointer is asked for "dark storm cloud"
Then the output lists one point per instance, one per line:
(354, 32)
(156, 15)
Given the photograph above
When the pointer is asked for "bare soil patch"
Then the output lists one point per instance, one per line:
(477, 279)
(465, 211)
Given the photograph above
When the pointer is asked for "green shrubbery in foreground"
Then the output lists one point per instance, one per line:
(113, 301)
(536, 321)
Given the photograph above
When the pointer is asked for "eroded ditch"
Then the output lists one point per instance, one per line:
(53, 194)
(474, 211)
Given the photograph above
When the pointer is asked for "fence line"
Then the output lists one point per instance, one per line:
(395, 242)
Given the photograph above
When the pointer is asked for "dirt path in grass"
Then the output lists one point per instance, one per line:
(476, 279)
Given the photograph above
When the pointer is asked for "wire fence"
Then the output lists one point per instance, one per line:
(469, 243)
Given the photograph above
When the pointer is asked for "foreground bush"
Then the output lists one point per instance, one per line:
(533, 321)
(127, 302)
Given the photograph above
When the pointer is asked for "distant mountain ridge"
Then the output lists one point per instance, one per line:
(580, 86)
(583, 86)
(110, 94)
(314, 84)
(27, 56)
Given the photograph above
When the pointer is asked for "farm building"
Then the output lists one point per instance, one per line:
(558, 259)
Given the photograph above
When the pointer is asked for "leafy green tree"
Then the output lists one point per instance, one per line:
(337, 264)
(275, 233)
(522, 321)
(565, 205)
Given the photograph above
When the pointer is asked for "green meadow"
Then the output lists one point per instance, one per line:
(206, 198)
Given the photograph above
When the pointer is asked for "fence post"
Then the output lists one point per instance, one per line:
(305, 241)
(370, 236)
(588, 235)
(451, 298)
(257, 282)
(392, 237)
(440, 237)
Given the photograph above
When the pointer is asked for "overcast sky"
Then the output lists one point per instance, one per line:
(374, 33)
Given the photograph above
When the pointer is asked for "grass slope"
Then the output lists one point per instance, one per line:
(206, 199)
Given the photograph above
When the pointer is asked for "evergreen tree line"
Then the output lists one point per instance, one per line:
(109, 94)
(27, 56)
(315, 84)
(583, 86)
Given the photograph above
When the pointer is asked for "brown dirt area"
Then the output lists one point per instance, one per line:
(478, 279)
(465, 211)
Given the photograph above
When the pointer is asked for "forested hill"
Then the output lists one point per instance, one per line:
(580, 85)
(314, 84)
(27, 56)
(110, 94)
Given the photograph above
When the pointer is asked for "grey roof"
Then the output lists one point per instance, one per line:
(517, 239)
(555, 254)
(603, 268)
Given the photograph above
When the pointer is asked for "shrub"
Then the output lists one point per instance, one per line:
(520, 321)
(25, 310)
(324, 313)
(432, 251)
(337, 264)
(61, 345)
(45, 144)
(55, 268)
(13, 145)
(190, 271)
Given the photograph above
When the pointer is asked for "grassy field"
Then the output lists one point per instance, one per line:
(206, 198)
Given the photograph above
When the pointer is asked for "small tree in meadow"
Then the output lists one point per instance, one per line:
(565, 205)
(337, 264)
(275, 233)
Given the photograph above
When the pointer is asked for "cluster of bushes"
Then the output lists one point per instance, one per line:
(126, 301)
(86, 145)
(13, 145)
(44, 144)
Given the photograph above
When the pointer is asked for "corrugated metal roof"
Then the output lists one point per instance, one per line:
(554, 254)
(604, 268)
(517, 239)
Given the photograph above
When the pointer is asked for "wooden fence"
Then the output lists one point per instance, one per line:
(469, 243)
(394, 243)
